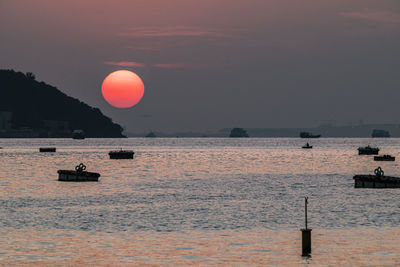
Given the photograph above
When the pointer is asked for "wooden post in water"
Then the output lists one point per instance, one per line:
(306, 234)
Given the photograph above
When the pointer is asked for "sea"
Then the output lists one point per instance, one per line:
(197, 202)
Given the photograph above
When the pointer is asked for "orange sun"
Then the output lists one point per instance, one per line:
(122, 89)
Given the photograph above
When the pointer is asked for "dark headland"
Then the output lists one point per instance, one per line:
(29, 108)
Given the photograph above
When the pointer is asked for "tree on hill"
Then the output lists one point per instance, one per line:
(32, 102)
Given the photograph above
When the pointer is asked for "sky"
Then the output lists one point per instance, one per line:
(210, 64)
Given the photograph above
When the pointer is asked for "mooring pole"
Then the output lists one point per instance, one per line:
(305, 205)
(306, 234)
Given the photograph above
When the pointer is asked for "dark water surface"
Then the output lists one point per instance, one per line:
(206, 201)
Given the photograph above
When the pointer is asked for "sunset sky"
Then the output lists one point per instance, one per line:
(212, 64)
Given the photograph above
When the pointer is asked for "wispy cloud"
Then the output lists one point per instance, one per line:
(179, 65)
(373, 16)
(125, 64)
(149, 48)
(171, 65)
(176, 31)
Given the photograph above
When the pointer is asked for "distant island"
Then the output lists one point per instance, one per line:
(29, 108)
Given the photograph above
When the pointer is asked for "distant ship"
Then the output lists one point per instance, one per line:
(151, 134)
(380, 133)
(309, 135)
(78, 134)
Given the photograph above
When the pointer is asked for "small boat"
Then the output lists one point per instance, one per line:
(309, 135)
(384, 158)
(379, 180)
(121, 154)
(47, 149)
(78, 134)
(368, 150)
(307, 146)
(79, 175)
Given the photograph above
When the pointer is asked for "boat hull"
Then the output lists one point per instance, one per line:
(373, 181)
(121, 154)
(377, 158)
(368, 152)
(74, 176)
(47, 149)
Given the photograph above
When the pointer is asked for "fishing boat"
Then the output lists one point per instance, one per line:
(379, 180)
(307, 146)
(78, 175)
(384, 158)
(309, 135)
(121, 154)
(47, 149)
(368, 150)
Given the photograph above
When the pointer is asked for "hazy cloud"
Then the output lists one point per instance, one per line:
(171, 65)
(178, 65)
(124, 63)
(374, 16)
(145, 48)
(175, 31)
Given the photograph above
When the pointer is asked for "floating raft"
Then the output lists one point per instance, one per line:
(47, 149)
(373, 181)
(121, 154)
(79, 175)
(379, 180)
(368, 150)
(384, 158)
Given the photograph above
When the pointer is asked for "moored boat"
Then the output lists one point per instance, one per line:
(368, 150)
(384, 158)
(78, 175)
(47, 149)
(379, 180)
(121, 154)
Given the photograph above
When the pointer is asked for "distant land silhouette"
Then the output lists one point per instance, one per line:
(29, 108)
(326, 131)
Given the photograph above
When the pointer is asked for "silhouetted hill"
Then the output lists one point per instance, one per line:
(32, 103)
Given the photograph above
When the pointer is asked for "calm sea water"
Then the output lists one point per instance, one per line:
(189, 201)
